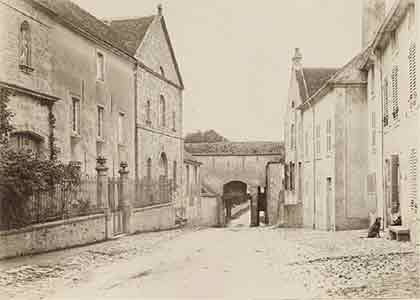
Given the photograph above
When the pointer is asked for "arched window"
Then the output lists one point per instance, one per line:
(162, 111)
(149, 169)
(25, 46)
(163, 165)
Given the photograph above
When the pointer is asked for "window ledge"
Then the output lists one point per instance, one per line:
(26, 69)
(100, 140)
(122, 145)
(75, 136)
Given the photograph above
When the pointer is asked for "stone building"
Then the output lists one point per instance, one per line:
(113, 87)
(158, 98)
(59, 59)
(189, 205)
(326, 141)
(393, 116)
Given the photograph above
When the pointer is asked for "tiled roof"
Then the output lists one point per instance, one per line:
(310, 80)
(84, 21)
(235, 148)
(132, 31)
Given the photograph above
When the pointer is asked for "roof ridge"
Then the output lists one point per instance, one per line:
(127, 18)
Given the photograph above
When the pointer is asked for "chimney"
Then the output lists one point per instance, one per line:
(297, 59)
(373, 15)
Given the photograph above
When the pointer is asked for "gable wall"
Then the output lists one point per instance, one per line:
(155, 52)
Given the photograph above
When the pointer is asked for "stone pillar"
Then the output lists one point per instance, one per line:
(255, 214)
(124, 200)
(102, 183)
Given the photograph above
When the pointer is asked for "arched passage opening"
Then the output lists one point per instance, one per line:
(235, 193)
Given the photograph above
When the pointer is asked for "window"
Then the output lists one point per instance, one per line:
(292, 137)
(100, 122)
(385, 95)
(395, 92)
(174, 175)
(162, 71)
(412, 73)
(121, 117)
(25, 47)
(162, 111)
(411, 17)
(75, 112)
(372, 80)
(318, 139)
(148, 112)
(174, 121)
(196, 175)
(26, 141)
(100, 66)
(307, 144)
(149, 170)
(373, 134)
(188, 185)
(329, 135)
(292, 176)
(394, 40)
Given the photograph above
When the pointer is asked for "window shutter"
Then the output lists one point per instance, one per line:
(394, 184)
(412, 72)
(395, 92)
(385, 96)
(412, 169)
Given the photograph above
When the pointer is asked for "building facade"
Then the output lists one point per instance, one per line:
(68, 85)
(94, 88)
(326, 139)
(393, 117)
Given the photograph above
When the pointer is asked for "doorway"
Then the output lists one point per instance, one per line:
(329, 213)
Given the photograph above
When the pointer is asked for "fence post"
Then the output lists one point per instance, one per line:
(125, 203)
(102, 182)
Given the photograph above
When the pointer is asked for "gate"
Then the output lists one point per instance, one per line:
(114, 196)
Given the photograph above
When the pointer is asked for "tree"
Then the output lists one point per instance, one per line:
(209, 136)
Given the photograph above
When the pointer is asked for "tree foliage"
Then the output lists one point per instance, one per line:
(23, 172)
(209, 136)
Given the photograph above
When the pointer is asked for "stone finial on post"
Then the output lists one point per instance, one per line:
(103, 201)
(124, 200)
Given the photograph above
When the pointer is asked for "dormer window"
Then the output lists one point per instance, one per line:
(25, 47)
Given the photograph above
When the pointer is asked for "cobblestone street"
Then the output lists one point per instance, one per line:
(234, 262)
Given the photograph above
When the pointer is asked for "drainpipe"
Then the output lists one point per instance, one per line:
(314, 163)
(136, 146)
(381, 155)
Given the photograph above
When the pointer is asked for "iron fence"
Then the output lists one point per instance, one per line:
(60, 202)
(149, 193)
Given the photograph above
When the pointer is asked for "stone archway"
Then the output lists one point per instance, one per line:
(234, 193)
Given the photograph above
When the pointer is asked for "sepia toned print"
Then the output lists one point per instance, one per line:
(209, 149)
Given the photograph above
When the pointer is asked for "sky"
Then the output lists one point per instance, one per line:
(235, 55)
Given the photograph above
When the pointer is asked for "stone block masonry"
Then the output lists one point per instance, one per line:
(52, 236)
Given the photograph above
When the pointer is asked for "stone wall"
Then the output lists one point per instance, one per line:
(210, 210)
(218, 170)
(52, 236)
(153, 218)
(275, 174)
